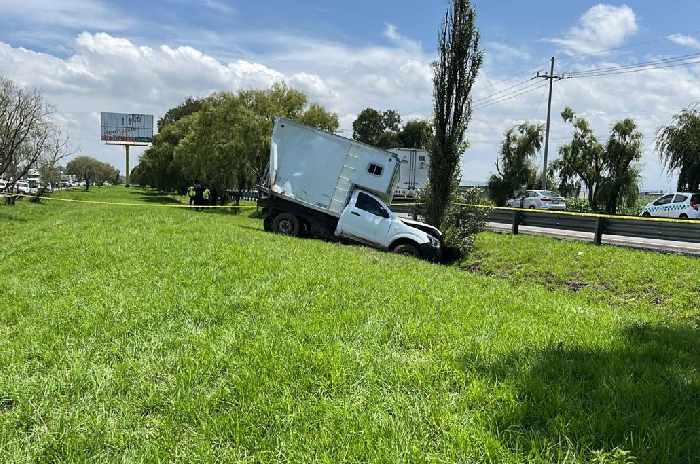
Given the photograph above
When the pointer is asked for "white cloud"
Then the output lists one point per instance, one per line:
(70, 14)
(104, 72)
(503, 53)
(392, 33)
(599, 29)
(685, 40)
(219, 7)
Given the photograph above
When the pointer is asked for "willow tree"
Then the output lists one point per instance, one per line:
(515, 164)
(678, 145)
(455, 72)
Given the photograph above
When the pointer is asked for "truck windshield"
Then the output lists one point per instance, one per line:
(372, 206)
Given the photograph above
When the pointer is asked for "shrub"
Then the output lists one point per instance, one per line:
(462, 223)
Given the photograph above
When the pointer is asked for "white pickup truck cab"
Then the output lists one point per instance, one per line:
(366, 219)
(327, 186)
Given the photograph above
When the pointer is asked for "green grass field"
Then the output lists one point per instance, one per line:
(145, 334)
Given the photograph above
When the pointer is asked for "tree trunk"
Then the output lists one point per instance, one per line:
(611, 206)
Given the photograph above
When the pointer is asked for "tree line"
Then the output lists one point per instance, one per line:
(223, 140)
(29, 137)
(92, 171)
(609, 172)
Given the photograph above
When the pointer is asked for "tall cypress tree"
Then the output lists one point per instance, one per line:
(455, 70)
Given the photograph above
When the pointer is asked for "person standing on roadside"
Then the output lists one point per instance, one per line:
(206, 195)
(198, 194)
(191, 194)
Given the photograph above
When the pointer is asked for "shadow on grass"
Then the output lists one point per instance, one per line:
(153, 196)
(8, 216)
(642, 397)
(162, 200)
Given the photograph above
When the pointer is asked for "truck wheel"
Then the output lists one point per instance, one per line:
(684, 216)
(406, 249)
(286, 224)
(267, 224)
(646, 214)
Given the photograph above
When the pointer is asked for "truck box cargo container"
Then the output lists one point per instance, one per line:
(324, 185)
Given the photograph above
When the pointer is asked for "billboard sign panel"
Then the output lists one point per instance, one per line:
(126, 128)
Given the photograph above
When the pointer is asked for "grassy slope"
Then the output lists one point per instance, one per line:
(143, 334)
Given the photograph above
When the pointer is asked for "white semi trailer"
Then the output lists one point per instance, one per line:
(415, 166)
(328, 186)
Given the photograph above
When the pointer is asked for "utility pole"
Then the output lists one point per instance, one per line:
(551, 77)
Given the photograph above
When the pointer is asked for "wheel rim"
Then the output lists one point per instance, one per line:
(406, 251)
(285, 227)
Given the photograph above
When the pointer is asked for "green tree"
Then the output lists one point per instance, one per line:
(678, 145)
(416, 134)
(377, 129)
(226, 143)
(317, 116)
(515, 165)
(157, 166)
(456, 70)
(624, 148)
(92, 171)
(609, 172)
(584, 156)
(567, 184)
(189, 106)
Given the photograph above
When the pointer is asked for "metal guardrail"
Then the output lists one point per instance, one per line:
(599, 225)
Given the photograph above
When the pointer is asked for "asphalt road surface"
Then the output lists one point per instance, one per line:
(666, 246)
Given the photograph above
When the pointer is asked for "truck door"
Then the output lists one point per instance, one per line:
(365, 219)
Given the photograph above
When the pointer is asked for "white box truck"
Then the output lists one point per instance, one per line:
(327, 186)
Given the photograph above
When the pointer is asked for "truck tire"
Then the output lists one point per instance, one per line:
(406, 249)
(286, 224)
(267, 224)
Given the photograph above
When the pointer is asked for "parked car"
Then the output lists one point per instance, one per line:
(538, 199)
(22, 187)
(674, 205)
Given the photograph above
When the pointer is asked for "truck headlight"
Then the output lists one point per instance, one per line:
(435, 243)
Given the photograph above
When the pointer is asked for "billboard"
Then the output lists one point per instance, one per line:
(126, 128)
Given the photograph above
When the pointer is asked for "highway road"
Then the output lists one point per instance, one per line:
(666, 246)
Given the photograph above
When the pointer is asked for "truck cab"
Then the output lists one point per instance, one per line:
(367, 219)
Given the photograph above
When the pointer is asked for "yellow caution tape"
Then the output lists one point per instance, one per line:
(565, 213)
(153, 205)
(501, 208)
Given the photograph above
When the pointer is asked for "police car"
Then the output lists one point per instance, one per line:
(674, 205)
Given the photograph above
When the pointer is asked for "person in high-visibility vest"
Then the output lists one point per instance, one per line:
(207, 195)
(191, 194)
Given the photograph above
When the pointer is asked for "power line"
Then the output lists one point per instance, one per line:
(506, 97)
(660, 63)
(502, 91)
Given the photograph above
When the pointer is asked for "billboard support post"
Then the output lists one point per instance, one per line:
(127, 165)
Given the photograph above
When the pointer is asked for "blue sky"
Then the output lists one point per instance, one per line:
(89, 56)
